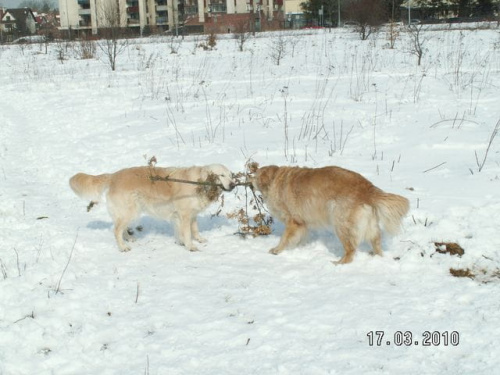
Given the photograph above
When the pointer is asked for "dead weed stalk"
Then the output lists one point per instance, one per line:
(253, 219)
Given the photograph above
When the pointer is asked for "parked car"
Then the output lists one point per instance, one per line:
(30, 39)
(394, 24)
(351, 24)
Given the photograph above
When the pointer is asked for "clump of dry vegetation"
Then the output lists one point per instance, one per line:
(253, 219)
(460, 272)
(451, 248)
(210, 43)
(481, 275)
(210, 188)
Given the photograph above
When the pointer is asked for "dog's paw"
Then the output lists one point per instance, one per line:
(130, 238)
(344, 260)
(275, 251)
(193, 249)
(201, 239)
(125, 249)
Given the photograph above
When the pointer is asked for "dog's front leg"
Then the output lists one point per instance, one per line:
(294, 232)
(195, 232)
(185, 235)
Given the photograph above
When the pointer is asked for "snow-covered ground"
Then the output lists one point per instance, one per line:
(71, 303)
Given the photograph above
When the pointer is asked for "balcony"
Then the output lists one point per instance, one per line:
(190, 10)
(84, 2)
(85, 23)
(161, 20)
(217, 8)
(132, 5)
(134, 9)
(161, 8)
(84, 12)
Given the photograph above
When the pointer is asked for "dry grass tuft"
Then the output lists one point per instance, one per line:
(457, 272)
(91, 205)
(451, 248)
(481, 275)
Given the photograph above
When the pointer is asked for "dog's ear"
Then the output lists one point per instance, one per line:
(205, 172)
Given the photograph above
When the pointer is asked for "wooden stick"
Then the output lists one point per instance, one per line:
(203, 183)
(169, 179)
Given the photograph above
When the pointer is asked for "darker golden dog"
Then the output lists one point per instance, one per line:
(329, 197)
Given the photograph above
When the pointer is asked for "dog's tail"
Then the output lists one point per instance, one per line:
(391, 209)
(90, 187)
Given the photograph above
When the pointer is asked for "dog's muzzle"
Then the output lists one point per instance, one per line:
(232, 185)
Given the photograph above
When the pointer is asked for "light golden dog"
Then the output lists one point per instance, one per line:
(132, 191)
(329, 197)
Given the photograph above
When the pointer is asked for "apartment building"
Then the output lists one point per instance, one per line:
(92, 15)
(171, 15)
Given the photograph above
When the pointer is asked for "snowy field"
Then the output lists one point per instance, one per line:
(71, 303)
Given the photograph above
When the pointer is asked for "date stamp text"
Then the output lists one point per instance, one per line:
(407, 338)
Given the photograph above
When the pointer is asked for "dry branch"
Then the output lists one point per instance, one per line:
(437, 166)
(259, 222)
(492, 137)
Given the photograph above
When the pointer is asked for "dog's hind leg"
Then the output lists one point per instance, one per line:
(347, 234)
(349, 247)
(376, 244)
(294, 232)
(371, 230)
(120, 230)
(122, 213)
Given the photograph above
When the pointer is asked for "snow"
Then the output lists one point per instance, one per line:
(71, 303)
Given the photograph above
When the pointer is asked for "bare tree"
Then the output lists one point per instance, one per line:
(44, 6)
(498, 14)
(417, 41)
(241, 32)
(369, 14)
(110, 17)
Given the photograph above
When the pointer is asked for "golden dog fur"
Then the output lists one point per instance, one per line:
(329, 197)
(131, 191)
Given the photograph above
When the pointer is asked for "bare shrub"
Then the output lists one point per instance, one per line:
(61, 51)
(86, 49)
(392, 34)
(241, 32)
(278, 48)
(174, 44)
(210, 42)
